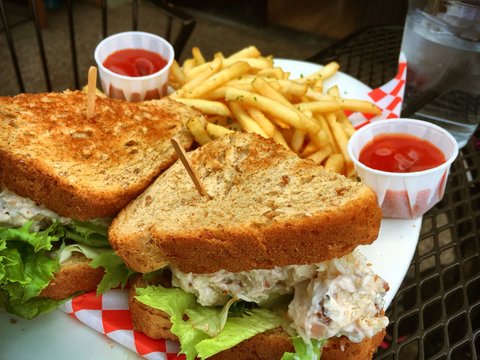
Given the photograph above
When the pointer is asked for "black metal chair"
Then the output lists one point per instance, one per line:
(178, 28)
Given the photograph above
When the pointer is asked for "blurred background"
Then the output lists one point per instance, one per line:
(282, 28)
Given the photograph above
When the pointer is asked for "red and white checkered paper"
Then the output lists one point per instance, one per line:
(109, 313)
(388, 97)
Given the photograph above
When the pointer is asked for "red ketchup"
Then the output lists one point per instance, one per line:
(134, 62)
(400, 153)
(403, 153)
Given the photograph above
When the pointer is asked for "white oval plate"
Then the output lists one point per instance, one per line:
(58, 336)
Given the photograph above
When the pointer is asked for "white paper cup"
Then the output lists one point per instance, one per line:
(405, 195)
(129, 88)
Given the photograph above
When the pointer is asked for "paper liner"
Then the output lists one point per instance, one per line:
(134, 89)
(388, 98)
(405, 195)
(109, 313)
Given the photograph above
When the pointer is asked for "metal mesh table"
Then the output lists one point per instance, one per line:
(436, 312)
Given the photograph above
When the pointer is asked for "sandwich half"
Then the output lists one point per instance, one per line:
(264, 268)
(63, 176)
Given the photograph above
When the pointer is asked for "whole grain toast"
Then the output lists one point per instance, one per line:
(75, 275)
(86, 168)
(270, 345)
(268, 208)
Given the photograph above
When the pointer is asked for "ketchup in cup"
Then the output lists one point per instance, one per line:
(405, 161)
(134, 65)
(401, 153)
(134, 62)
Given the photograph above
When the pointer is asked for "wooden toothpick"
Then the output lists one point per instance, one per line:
(188, 166)
(91, 89)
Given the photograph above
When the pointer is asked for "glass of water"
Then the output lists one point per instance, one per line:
(441, 41)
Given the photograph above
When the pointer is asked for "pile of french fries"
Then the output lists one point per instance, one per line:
(245, 91)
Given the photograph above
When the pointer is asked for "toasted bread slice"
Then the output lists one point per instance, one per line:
(86, 168)
(268, 208)
(270, 345)
(75, 275)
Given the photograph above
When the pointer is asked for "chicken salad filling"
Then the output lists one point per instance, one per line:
(334, 298)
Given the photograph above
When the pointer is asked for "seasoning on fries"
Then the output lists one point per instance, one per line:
(246, 91)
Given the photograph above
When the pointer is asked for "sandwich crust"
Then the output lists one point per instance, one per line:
(270, 345)
(75, 276)
(268, 208)
(86, 168)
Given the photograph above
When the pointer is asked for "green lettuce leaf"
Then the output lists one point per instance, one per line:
(40, 240)
(116, 272)
(209, 319)
(25, 273)
(87, 233)
(238, 329)
(3, 246)
(305, 351)
(65, 251)
(30, 308)
(195, 330)
(28, 262)
(175, 303)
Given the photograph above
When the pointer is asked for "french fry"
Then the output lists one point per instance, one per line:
(217, 131)
(306, 123)
(309, 150)
(207, 106)
(324, 73)
(197, 128)
(255, 63)
(193, 72)
(241, 81)
(319, 106)
(211, 69)
(218, 79)
(359, 105)
(176, 73)
(329, 70)
(335, 163)
(317, 95)
(278, 137)
(277, 110)
(219, 94)
(188, 65)
(249, 51)
(328, 131)
(245, 120)
(341, 139)
(340, 104)
(298, 138)
(346, 124)
(334, 91)
(266, 89)
(289, 87)
(275, 73)
(281, 124)
(320, 138)
(261, 120)
(267, 126)
(197, 55)
(318, 86)
(245, 91)
(319, 156)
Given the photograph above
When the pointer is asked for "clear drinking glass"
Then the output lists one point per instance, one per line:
(441, 41)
